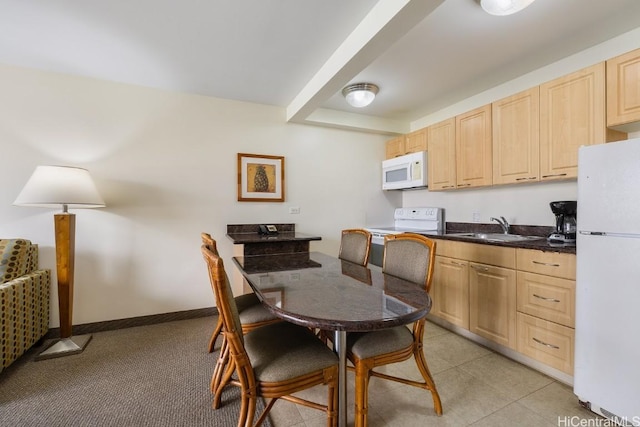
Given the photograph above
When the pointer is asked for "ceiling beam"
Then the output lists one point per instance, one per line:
(387, 22)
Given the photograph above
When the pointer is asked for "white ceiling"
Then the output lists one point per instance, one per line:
(298, 54)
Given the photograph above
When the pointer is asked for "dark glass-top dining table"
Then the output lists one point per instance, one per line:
(320, 291)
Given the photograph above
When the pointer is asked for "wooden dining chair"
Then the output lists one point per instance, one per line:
(252, 313)
(272, 361)
(410, 257)
(355, 246)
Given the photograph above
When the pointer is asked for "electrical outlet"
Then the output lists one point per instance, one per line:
(476, 217)
(294, 210)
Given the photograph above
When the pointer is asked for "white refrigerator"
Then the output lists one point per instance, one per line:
(607, 346)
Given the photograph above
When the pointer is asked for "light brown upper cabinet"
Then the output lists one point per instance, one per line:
(516, 138)
(473, 148)
(572, 113)
(416, 141)
(623, 91)
(441, 143)
(395, 147)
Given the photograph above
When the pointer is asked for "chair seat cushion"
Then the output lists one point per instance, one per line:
(283, 351)
(251, 310)
(365, 345)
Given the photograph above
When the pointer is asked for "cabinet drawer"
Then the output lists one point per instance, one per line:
(474, 252)
(549, 263)
(546, 342)
(450, 249)
(549, 298)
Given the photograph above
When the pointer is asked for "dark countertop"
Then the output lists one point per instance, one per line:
(284, 236)
(542, 244)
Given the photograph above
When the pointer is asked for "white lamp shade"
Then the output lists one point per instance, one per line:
(504, 7)
(56, 186)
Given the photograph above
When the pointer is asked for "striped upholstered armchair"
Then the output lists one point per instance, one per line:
(24, 299)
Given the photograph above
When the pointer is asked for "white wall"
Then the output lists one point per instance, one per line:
(165, 163)
(525, 203)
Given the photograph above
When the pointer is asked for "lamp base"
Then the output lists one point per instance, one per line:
(65, 347)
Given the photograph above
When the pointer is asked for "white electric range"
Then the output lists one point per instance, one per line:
(406, 220)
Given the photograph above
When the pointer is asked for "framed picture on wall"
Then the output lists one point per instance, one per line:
(260, 178)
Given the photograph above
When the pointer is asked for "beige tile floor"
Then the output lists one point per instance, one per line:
(477, 386)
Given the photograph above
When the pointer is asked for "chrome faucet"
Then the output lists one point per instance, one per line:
(503, 223)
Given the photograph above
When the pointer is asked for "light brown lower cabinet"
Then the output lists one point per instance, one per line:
(521, 299)
(547, 342)
(451, 291)
(492, 303)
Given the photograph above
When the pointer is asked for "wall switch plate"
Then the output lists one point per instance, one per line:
(476, 217)
(294, 210)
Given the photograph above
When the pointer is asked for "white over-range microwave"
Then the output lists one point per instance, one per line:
(405, 172)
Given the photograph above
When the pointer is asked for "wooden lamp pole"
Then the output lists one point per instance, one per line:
(65, 230)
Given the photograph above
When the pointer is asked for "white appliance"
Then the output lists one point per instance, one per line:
(414, 220)
(607, 346)
(405, 172)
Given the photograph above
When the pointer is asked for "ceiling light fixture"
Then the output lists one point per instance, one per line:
(360, 94)
(504, 7)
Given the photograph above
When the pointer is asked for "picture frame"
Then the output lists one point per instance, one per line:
(260, 178)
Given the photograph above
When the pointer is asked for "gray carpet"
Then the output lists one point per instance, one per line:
(154, 375)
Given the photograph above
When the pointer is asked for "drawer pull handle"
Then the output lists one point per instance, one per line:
(546, 263)
(457, 263)
(552, 175)
(448, 186)
(526, 179)
(464, 185)
(555, 347)
(546, 299)
(475, 267)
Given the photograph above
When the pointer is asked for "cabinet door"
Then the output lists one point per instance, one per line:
(395, 147)
(451, 291)
(516, 142)
(441, 144)
(473, 148)
(492, 303)
(623, 89)
(571, 115)
(416, 141)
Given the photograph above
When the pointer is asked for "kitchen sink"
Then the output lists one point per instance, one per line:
(495, 237)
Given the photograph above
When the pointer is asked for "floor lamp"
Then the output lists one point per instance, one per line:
(66, 187)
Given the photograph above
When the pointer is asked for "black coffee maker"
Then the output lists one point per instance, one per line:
(566, 214)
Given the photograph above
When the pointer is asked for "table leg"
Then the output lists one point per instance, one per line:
(340, 348)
